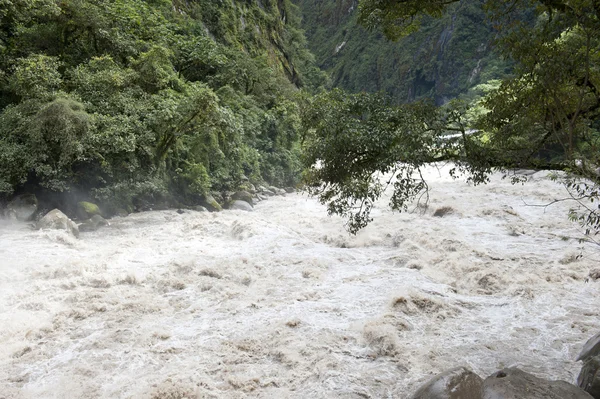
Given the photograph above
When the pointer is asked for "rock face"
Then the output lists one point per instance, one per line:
(241, 206)
(591, 348)
(243, 196)
(57, 220)
(458, 383)
(589, 377)
(93, 224)
(513, 383)
(22, 207)
(86, 210)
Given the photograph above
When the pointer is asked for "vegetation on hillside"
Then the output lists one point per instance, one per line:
(160, 100)
(451, 52)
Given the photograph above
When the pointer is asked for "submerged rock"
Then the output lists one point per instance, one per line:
(241, 206)
(589, 377)
(458, 383)
(93, 224)
(512, 383)
(23, 207)
(57, 220)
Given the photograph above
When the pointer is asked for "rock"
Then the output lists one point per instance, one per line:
(86, 210)
(443, 211)
(458, 383)
(57, 220)
(240, 205)
(261, 197)
(200, 208)
(591, 348)
(23, 207)
(93, 224)
(290, 190)
(513, 383)
(243, 196)
(180, 211)
(267, 192)
(594, 275)
(211, 204)
(589, 377)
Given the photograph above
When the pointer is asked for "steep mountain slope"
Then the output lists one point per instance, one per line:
(445, 58)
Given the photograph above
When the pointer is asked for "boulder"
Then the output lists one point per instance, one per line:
(86, 210)
(458, 383)
(267, 192)
(200, 208)
(210, 203)
(512, 383)
(290, 190)
(243, 196)
(23, 207)
(240, 205)
(591, 348)
(589, 377)
(93, 224)
(57, 220)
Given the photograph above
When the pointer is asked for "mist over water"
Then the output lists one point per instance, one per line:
(283, 303)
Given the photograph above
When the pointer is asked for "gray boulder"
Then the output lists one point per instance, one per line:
(93, 224)
(589, 377)
(57, 220)
(512, 383)
(22, 207)
(200, 208)
(290, 190)
(240, 206)
(243, 196)
(458, 383)
(591, 348)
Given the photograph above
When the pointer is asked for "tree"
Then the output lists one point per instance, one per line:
(546, 116)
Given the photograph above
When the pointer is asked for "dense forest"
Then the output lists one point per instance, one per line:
(131, 103)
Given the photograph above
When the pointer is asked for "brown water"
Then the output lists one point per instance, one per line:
(282, 303)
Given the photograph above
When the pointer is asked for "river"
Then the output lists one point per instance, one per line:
(283, 303)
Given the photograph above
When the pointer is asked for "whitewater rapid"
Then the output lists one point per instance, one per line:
(283, 303)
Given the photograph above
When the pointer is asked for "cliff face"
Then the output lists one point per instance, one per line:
(444, 58)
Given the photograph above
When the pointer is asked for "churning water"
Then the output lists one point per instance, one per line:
(282, 303)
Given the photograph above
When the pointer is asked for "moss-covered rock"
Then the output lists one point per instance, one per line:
(210, 203)
(86, 210)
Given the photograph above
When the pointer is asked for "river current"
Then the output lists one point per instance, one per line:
(283, 303)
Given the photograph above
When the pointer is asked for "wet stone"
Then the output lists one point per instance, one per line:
(589, 377)
(241, 206)
(55, 219)
(458, 383)
(591, 348)
(512, 383)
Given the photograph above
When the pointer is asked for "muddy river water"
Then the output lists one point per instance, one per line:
(283, 303)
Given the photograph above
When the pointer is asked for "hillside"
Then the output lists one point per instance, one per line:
(117, 101)
(445, 58)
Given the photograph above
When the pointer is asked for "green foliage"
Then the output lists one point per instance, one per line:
(127, 99)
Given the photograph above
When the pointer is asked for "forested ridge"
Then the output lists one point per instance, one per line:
(131, 102)
(443, 59)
